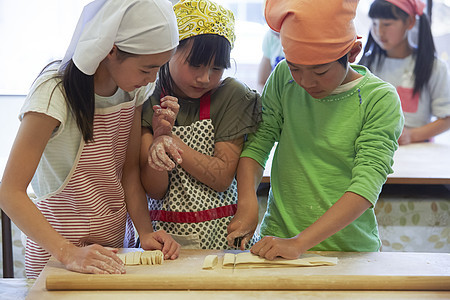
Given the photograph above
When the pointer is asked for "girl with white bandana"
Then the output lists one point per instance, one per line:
(196, 199)
(78, 141)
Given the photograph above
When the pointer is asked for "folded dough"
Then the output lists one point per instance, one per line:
(154, 257)
(210, 262)
(246, 260)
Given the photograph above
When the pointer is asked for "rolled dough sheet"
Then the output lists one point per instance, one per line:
(246, 260)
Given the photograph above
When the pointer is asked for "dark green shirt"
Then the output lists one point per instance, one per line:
(235, 110)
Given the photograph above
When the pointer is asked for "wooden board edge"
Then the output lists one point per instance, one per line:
(233, 282)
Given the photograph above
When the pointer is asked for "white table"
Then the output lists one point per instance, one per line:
(418, 163)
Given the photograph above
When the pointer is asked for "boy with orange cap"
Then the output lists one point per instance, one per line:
(336, 126)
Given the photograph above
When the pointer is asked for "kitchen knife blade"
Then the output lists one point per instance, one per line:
(237, 244)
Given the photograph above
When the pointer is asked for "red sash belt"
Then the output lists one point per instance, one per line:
(193, 216)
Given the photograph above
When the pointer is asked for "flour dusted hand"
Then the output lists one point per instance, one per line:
(164, 116)
(161, 153)
(93, 259)
(243, 225)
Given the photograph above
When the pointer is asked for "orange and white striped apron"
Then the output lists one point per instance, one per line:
(90, 205)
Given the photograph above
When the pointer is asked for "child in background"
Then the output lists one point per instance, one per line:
(420, 77)
(195, 200)
(79, 136)
(272, 55)
(336, 126)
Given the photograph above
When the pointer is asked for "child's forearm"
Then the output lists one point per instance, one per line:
(32, 223)
(215, 171)
(32, 138)
(155, 182)
(245, 221)
(429, 130)
(135, 198)
(264, 70)
(347, 209)
(249, 174)
(138, 210)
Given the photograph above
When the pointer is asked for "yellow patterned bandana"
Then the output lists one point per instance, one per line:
(195, 17)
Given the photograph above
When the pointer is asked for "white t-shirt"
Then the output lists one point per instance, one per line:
(272, 48)
(59, 154)
(434, 99)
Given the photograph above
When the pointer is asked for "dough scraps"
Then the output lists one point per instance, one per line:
(247, 260)
(154, 257)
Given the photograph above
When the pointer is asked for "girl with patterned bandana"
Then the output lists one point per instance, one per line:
(196, 199)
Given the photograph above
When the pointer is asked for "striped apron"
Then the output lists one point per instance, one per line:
(195, 215)
(90, 207)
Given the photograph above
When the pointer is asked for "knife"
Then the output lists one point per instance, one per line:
(237, 244)
(234, 264)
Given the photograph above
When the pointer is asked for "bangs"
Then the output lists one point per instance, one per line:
(205, 47)
(381, 9)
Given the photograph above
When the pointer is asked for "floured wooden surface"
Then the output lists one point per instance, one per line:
(241, 295)
(189, 265)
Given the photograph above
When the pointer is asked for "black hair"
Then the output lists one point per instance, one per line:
(343, 60)
(79, 92)
(79, 89)
(204, 48)
(80, 95)
(424, 54)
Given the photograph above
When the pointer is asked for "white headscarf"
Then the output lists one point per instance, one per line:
(135, 26)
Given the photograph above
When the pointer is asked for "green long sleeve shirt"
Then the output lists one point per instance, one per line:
(326, 147)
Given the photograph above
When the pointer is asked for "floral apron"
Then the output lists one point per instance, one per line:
(90, 207)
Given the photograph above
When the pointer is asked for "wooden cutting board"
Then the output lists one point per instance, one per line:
(354, 271)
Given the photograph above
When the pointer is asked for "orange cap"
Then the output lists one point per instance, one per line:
(313, 32)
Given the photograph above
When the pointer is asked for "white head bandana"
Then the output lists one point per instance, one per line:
(135, 26)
